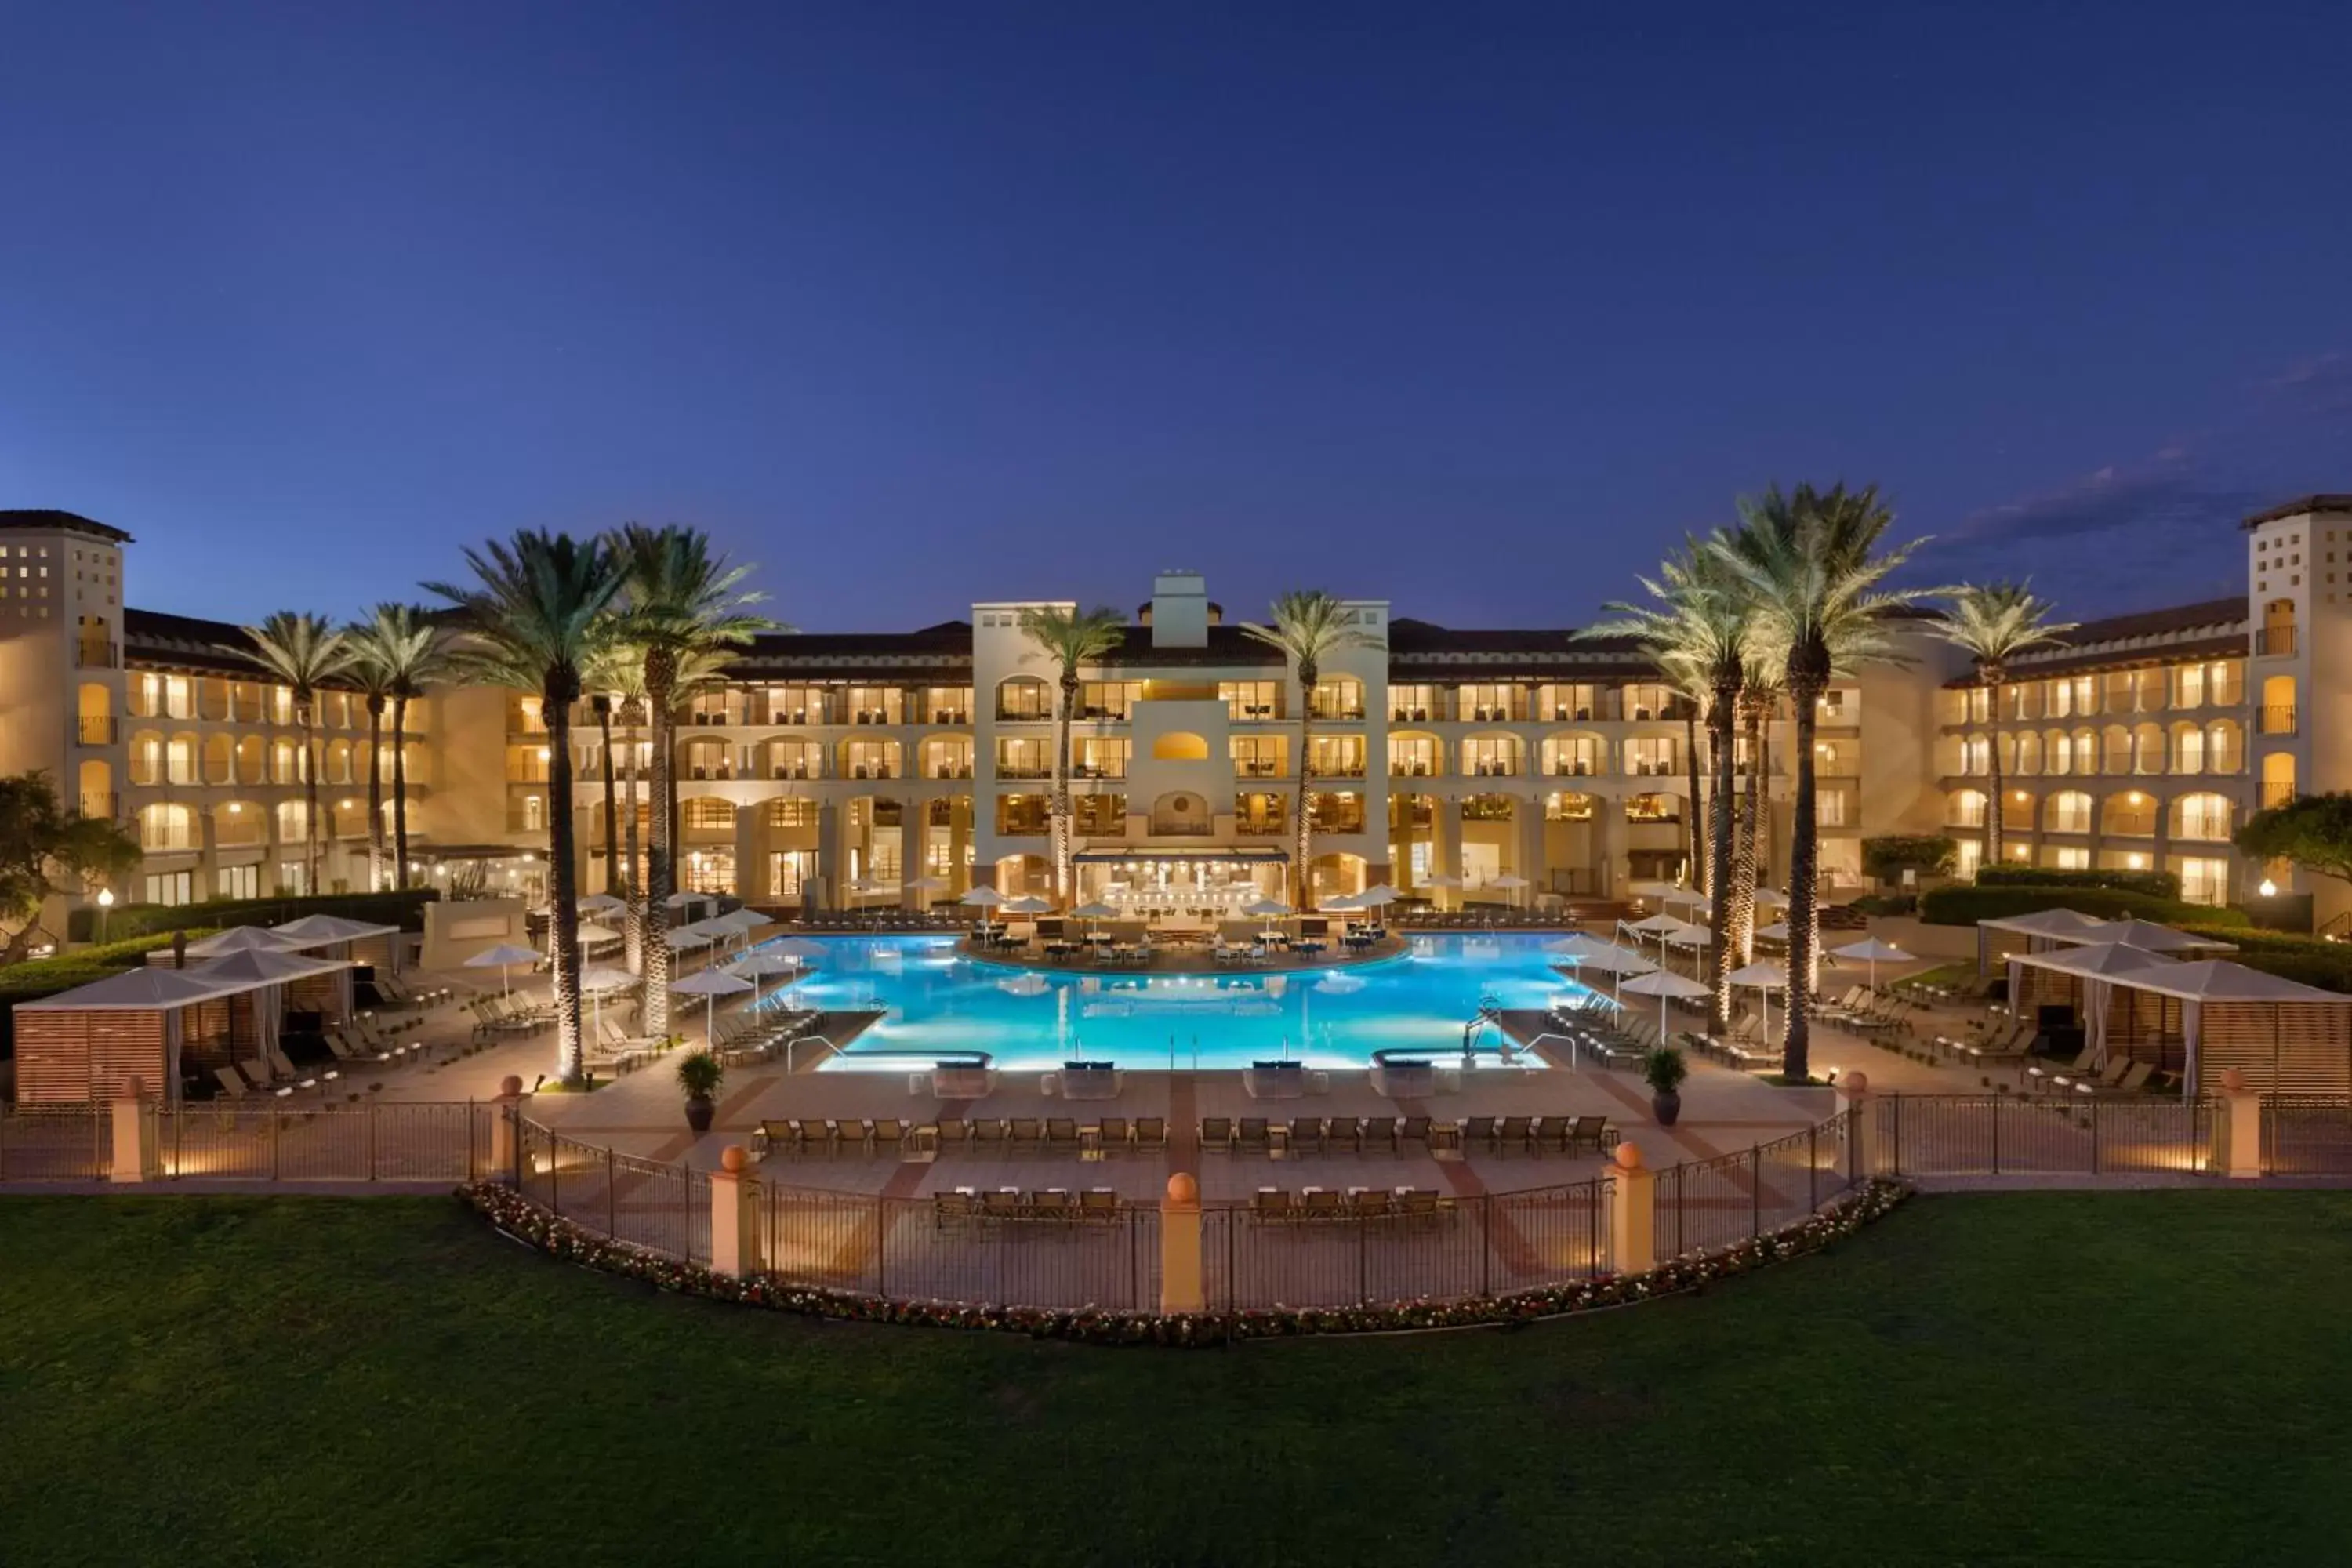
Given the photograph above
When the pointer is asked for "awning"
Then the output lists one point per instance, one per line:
(1254, 855)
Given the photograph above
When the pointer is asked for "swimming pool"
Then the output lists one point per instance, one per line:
(938, 1001)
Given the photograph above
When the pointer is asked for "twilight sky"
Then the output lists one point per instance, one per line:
(1474, 306)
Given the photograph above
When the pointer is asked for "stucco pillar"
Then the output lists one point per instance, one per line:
(1182, 1289)
(1632, 1219)
(832, 854)
(750, 876)
(1853, 1096)
(914, 834)
(1608, 823)
(135, 1156)
(1445, 851)
(1529, 814)
(958, 843)
(734, 1215)
(505, 1136)
(2238, 1130)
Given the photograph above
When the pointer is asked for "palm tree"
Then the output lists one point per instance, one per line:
(685, 603)
(1309, 625)
(1993, 622)
(1814, 563)
(303, 652)
(1760, 701)
(530, 621)
(397, 654)
(1070, 637)
(1699, 625)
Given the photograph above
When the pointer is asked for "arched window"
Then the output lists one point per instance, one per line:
(2202, 816)
(290, 822)
(1965, 808)
(1180, 746)
(1023, 697)
(534, 814)
(2147, 749)
(2188, 749)
(166, 826)
(2278, 778)
(1977, 756)
(2222, 750)
(2277, 716)
(2027, 759)
(2068, 811)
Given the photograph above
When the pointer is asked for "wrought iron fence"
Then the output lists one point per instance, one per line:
(651, 1204)
(2306, 1135)
(1704, 1205)
(2002, 1134)
(74, 1146)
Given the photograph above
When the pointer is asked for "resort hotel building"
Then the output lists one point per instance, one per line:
(836, 770)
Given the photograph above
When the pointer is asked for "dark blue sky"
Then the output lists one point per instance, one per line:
(1474, 306)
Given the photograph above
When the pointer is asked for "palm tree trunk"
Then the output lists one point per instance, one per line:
(1804, 855)
(1745, 869)
(661, 673)
(1721, 882)
(310, 802)
(1303, 829)
(563, 885)
(375, 793)
(1060, 808)
(633, 920)
(1992, 834)
(612, 822)
(1702, 875)
(399, 793)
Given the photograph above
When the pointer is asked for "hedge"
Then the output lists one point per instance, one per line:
(1965, 906)
(2155, 884)
(1931, 855)
(405, 909)
(40, 977)
(2290, 956)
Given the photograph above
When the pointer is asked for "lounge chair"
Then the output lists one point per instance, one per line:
(1478, 1130)
(1271, 1202)
(1111, 1132)
(1380, 1132)
(1518, 1131)
(1341, 1130)
(1217, 1133)
(1151, 1132)
(1052, 1202)
(953, 1208)
(886, 1134)
(1414, 1130)
(1304, 1132)
(1061, 1135)
(774, 1135)
(1026, 1129)
(1098, 1204)
(1252, 1137)
(1372, 1203)
(231, 1083)
(1322, 1203)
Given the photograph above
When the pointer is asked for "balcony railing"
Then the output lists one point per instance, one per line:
(97, 802)
(95, 729)
(2275, 642)
(2278, 721)
(92, 654)
(2276, 794)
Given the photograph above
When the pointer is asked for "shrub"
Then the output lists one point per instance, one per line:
(405, 909)
(1664, 1070)
(2156, 884)
(1886, 904)
(1964, 906)
(1931, 855)
(2307, 959)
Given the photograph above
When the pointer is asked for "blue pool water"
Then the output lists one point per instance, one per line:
(939, 1001)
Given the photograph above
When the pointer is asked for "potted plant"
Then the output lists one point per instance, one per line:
(699, 1075)
(1664, 1069)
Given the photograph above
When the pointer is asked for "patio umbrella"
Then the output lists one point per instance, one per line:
(798, 947)
(595, 932)
(1377, 895)
(1686, 896)
(1511, 885)
(503, 957)
(600, 904)
(1870, 951)
(1686, 935)
(1608, 959)
(1664, 985)
(766, 965)
(1766, 898)
(1266, 910)
(1580, 942)
(683, 901)
(984, 896)
(681, 937)
(1029, 906)
(1766, 976)
(1776, 932)
(598, 978)
(1657, 925)
(1652, 890)
(1441, 880)
(711, 985)
(1098, 911)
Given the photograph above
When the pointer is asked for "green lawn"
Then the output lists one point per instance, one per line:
(2121, 1377)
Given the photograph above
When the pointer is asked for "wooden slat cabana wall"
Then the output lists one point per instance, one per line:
(76, 1057)
(2299, 1047)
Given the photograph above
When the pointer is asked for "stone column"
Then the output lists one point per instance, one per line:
(1632, 1218)
(1608, 820)
(2238, 1130)
(750, 875)
(505, 1136)
(914, 833)
(1181, 1286)
(1854, 1095)
(1446, 849)
(734, 1215)
(135, 1156)
(1532, 865)
(958, 841)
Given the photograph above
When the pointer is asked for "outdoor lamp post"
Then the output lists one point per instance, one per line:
(105, 902)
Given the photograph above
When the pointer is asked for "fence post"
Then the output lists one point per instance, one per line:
(274, 1118)
(2238, 1130)
(734, 1215)
(1860, 1107)
(612, 1196)
(1996, 1133)
(1812, 1167)
(506, 1142)
(1633, 1212)
(134, 1138)
(1180, 1246)
(368, 1111)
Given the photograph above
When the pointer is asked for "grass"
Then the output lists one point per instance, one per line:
(2143, 1377)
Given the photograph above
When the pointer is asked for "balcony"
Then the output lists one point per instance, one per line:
(95, 729)
(2276, 720)
(1026, 771)
(96, 803)
(2275, 642)
(93, 654)
(2275, 795)
(722, 773)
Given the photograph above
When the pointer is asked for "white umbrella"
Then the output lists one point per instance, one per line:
(1266, 909)
(681, 901)
(984, 896)
(930, 884)
(758, 966)
(1378, 894)
(1656, 923)
(595, 932)
(1766, 898)
(598, 978)
(1870, 951)
(683, 937)
(1344, 901)
(600, 904)
(1687, 935)
(1683, 896)
(711, 985)
(798, 947)
(1096, 910)
(1511, 885)
(1766, 976)
(1652, 890)
(1663, 983)
(1610, 960)
(1579, 942)
(1029, 906)
(503, 957)
(1776, 932)
(1441, 880)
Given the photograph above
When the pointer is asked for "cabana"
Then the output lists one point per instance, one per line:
(2083, 979)
(2040, 930)
(333, 936)
(2286, 1036)
(156, 1024)
(2148, 937)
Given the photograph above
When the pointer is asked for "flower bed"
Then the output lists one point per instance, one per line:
(525, 1221)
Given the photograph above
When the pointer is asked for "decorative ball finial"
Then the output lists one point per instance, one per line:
(1183, 1188)
(509, 1085)
(1854, 1082)
(2233, 1081)
(1628, 1157)
(732, 1159)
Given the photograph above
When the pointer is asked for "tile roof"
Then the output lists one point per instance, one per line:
(47, 519)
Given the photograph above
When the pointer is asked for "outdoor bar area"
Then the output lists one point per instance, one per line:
(1196, 886)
